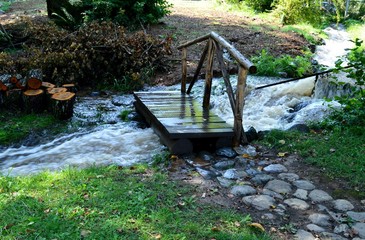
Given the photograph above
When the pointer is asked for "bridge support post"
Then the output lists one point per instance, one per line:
(239, 133)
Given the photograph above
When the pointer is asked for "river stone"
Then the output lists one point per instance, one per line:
(252, 172)
(331, 236)
(260, 202)
(261, 179)
(206, 174)
(226, 152)
(315, 228)
(234, 174)
(319, 196)
(357, 216)
(342, 228)
(223, 165)
(272, 194)
(241, 191)
(279, 186)
(303, 235)
(268, 216)
(360, 229)
(288, 176)
(296, 203)
(320, 219)
(248, 149)
(301, 194)
(275, 168)
(224, 182)
(343, 205)
(304, 184)
(206, 156)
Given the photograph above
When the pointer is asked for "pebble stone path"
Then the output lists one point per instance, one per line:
(265, 184)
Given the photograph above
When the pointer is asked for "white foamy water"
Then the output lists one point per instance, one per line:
(103, 139)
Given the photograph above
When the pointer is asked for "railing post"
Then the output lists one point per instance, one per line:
(208, 75)
(184, 70)
(239, 133)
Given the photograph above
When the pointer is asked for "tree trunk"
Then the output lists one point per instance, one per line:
(12, 99)
(62, 105)
(34, 101)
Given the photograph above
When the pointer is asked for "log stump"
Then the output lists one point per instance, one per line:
(34, 101)
(34, 83)
(71, 87)
(62, 105)
(46, 85)
(12, 99)
(49, 93)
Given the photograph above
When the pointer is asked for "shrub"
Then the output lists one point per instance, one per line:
(260, 5)
(269, 65)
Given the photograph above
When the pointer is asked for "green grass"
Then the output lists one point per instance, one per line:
(356, 29)
(5, 5)
(341, 152)
(112, 203)
(16, 126)
(312, 34)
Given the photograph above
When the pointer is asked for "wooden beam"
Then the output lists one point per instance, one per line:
(200, 39)
(198, 69)
(239, 134)
(208, 75)
(184, 70)
(244, 62)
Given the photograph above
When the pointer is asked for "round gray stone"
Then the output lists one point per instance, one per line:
(304, 184)
(224, 182)
(315, 228)
(275, 168)
(248, 149)
(342, 228)
(357, 216)
(320, 219)
(288, 176)
(360, 229)
(223, 165)
(234, 174)
(242, 191)
(206, 156)
(268, 216)
(342, 205)
(301, 194)
(319, 196)
(303, 235)
(261, 179)
(260, 202)
(206, 174)
(297, 203)
(273, 194)
(279, 186)
(226, 152)
(331, 236)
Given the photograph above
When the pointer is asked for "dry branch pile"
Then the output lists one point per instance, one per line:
(96, 54)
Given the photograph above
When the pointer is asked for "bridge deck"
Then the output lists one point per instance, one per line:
(177, 118)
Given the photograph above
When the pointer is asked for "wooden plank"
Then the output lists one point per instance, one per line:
(213, 119)
(175, 133)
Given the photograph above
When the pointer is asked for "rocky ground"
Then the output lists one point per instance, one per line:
(277, 190)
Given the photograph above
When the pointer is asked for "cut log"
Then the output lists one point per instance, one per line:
(71, 87)
(46, 85)
(51, 91)
(62, 105)
(13, 80)
(12, 99)
(34, 101)
(3, 87)
(34, 83)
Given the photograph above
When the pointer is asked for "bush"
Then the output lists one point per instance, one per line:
(260, 5)
(269, 65)
(124, 12)
(108, 57)
(297, 11)
(352, 112)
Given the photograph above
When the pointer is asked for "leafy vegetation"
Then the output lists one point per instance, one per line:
(112, 203)
(5, 5)
(108, 57)
(269, 65)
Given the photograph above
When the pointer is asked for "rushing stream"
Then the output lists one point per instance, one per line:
(99, 137)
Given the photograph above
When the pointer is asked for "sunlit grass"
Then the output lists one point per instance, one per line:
(112, 203)
(356, 30)
(312, 34)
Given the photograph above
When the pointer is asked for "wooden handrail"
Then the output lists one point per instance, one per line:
(216, 44)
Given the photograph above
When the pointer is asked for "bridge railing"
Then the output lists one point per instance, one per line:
(215, 45)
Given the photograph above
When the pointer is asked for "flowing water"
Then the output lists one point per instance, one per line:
(99, 137)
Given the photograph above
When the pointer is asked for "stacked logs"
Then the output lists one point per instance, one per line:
(35, 96)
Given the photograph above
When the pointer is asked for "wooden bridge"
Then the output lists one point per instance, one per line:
(180, 120)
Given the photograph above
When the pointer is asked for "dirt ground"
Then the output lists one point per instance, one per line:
(187, 21)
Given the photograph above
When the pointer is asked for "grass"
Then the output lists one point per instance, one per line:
(356, 29)
(341, 152)
(16, 126)
(112, 203)
(312, 34)
(5, 5)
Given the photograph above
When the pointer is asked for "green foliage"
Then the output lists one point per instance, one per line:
(124, 12)
(5, 5)
(260, 5)
(297, 11)
(111, 203)
(339, 151)
(269, 65)
(161, 159)
(310, 33)
(352, 111)
(107, 58)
